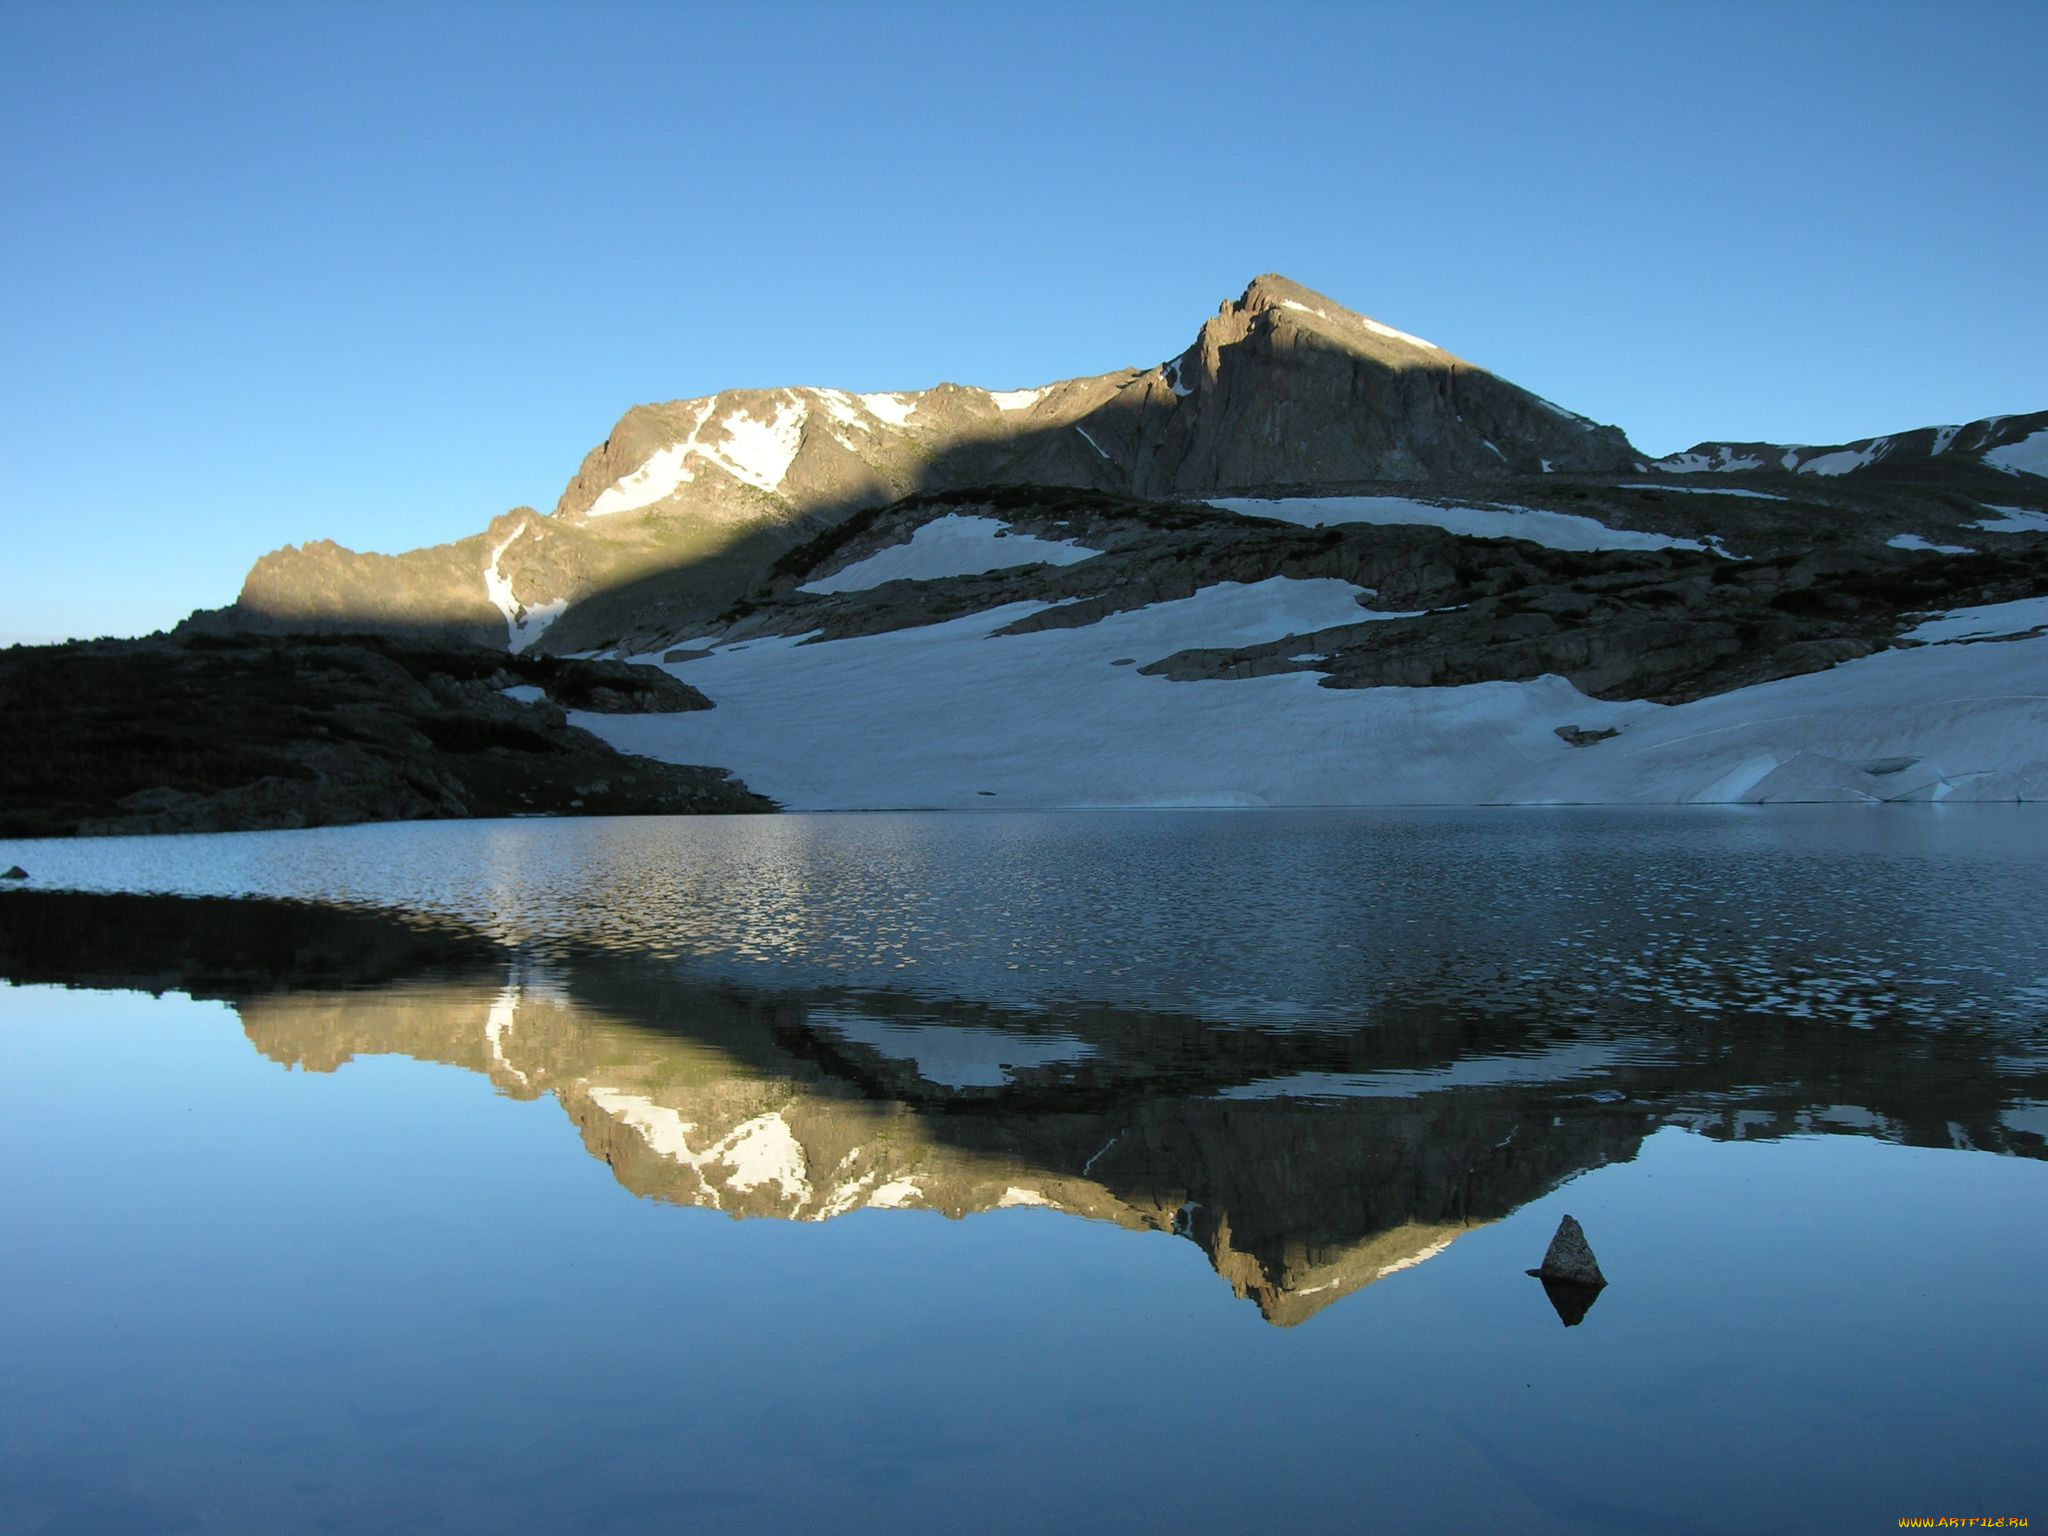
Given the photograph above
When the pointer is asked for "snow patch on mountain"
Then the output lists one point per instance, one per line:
(1846, 460)
(1913, 541)
(1019, 399)
(1986, 621)
(953, 545)
(1723, 460)
(523, 625)
(2014, 520)
(896, 410)
(1710, 490)
(663, 473)
(1393, 335)
(1371, 325)
(760, 452)
(1557, 410)
(843, 408)
(1553, 530)
(2028, 456)
(750, 450)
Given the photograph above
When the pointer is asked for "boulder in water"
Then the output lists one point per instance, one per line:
(1570, 1258)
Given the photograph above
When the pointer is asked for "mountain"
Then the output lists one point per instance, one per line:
(685, 508)
(1310, 559)
(686, 504)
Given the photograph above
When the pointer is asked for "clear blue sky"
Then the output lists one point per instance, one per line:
(377, 272)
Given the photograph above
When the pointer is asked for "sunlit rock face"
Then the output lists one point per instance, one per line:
(1305, 1164)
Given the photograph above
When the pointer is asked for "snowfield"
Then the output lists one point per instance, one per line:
(1914, 541)
(2014, 520)
(2028, 456)
(953, 545)
(1988, 621)
(1554, 530)
(1844, 461)
(951, 715)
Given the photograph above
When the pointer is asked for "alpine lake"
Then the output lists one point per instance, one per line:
(1121, 1171)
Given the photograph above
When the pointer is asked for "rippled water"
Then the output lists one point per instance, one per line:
(1311, 918)
(1104, 1172)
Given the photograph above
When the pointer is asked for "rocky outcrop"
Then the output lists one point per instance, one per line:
(211, 734)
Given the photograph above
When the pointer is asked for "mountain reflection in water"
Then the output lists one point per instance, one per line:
(1305, 1163)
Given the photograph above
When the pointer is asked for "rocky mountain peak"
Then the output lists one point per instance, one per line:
(1283, 312)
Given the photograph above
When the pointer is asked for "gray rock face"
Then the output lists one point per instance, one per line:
(1570, 1258)
(1286, 389)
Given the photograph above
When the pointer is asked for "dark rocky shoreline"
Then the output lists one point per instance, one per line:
(237, 733)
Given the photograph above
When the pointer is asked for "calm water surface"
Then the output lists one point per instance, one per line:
(1105, 1172)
